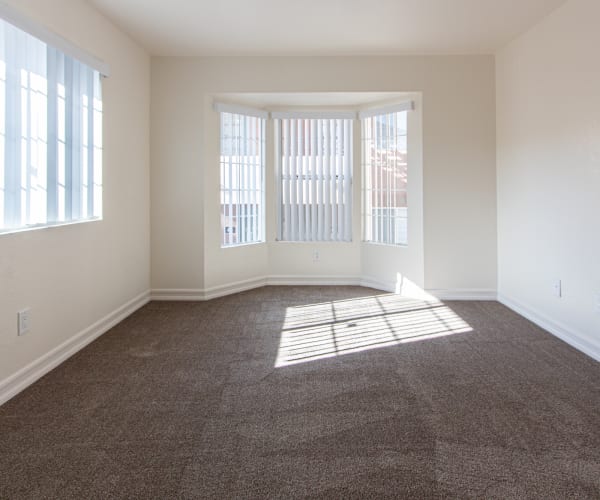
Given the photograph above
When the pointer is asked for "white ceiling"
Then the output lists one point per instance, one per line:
(324, 27)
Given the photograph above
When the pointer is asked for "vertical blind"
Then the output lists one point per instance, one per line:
(50, 134)
(314, 170)
(385, 169)
(242, 178)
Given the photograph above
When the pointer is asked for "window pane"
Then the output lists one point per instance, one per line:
(50, 122)
(385, 172)
(314, 168)
(242, 179)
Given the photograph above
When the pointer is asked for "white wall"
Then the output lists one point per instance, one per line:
(75, 275)
(548, 114)
(458, 166)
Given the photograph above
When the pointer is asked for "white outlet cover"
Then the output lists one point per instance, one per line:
(557, 286)
(23, 321)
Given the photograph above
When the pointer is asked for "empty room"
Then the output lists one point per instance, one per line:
(283, 249)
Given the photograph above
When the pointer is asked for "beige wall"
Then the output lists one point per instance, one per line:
(548, 103)
(458, 166)
(72, 276)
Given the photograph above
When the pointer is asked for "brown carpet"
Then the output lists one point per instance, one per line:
(320, 392)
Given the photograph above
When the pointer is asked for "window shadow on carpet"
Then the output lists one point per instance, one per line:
(334, 328)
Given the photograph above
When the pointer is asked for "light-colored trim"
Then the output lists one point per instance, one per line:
(42, 33)
(214, 292)
(48, 225)
(464, 294)
(385, 286)
(236, 287)
(316, 280)
(385, 110)
(292, 280)
(563, 332)
(314, 115)
(198, 294)
(191, 294)
(238, 109)
(26, 376)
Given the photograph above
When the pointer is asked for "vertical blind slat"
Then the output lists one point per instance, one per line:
(313, 166)
(300, 180)
(306, 182)
(388, 184)
(327, 173)
(230, 182)
(279, 178)
(333, 182)
(90, 142)
(320, 177)
(347, 181)
(261, 176)
(288, 182)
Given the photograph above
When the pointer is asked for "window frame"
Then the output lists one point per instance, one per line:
(318, 222)
(387, 227)
(258, 188)
(51, 128)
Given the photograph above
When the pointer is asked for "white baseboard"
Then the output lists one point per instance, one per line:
(377, 284)
(26, 376)
(241, 286)
(199, 294)
(563, 332)
(299, 280)
(177, 294)
(464, 294)
(313, 280)
(236, 287)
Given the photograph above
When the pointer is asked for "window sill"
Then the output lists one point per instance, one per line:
(238, 245)
(391, 245)
(39, 227)
(315, 242)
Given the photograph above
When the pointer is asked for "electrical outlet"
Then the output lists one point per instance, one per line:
(23, 321)
(315, 256)
(557, 288)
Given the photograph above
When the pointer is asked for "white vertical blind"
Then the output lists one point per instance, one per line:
(385, 171)
(50, 134)
(242, 168)
(314, 169)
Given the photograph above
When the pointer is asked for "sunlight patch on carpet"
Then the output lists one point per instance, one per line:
(329, 329)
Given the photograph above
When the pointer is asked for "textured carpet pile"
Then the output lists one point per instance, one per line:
(319, 392)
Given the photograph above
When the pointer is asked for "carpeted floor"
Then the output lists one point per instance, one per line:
(320, 392)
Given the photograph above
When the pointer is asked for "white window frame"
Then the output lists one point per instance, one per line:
(382, 153)
(51, 128)
(242, 175)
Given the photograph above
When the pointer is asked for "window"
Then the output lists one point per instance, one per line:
(385, 169)
(314, 168)
(50, 134)
(242, 178)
